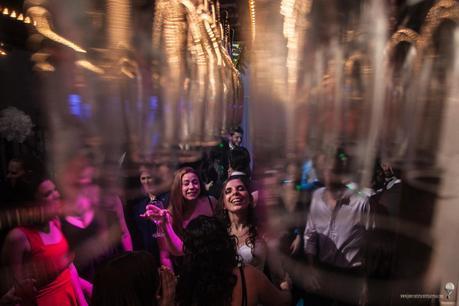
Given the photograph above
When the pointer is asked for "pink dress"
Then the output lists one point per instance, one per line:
(48, 264)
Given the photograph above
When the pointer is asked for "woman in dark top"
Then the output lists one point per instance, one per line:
(90, 240)
(187, 201)
(96, 228)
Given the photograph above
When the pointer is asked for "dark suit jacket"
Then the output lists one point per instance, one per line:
(143, 231)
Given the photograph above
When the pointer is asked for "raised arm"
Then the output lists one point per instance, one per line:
(78, 284)
(173, 242)
(126, 240)
(310, 240)
(267, 293)
(169, 239)
(14, 249)
(164, 255)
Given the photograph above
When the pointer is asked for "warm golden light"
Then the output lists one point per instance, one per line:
(41, 22)
(20, 17)
(252, 17)
(6, 11)
(27, 20)
(41, 62)
(118, 23)
(89, 66)
(13, 14)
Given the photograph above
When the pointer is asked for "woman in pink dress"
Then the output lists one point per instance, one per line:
(37, 255)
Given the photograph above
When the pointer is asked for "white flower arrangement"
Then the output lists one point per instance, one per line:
(15, 125)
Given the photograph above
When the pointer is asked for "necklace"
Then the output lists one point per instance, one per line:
(240, 233)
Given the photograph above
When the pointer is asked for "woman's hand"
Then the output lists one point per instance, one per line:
(296, 245)
(156, 214)
(10, 298)
(25, 289)
(286, 284)
(168, 283)
(209, 185)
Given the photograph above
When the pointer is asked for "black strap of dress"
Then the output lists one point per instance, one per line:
(210, 204)
(244, 287)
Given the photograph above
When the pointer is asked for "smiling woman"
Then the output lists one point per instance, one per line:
(188, 199)
(187, 202)
(236, 209)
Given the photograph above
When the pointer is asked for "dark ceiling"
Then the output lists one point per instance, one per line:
(13, 33)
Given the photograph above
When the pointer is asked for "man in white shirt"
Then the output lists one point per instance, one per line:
(335, 233)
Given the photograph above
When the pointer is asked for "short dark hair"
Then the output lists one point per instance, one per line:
(342, 163)
(239, 160)
(236, 129)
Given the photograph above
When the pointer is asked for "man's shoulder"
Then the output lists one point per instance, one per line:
(359, 198)
(317, 194)
(317, 200)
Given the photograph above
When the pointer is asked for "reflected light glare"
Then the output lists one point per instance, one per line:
(39, 15)
(44, 66)
(118, 21)
(77, 107)
(89, 66)
(252, 17)
(75, 104)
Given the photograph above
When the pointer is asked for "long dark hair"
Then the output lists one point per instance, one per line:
(177, 205)
(222, 213)
(130, 279)
(209, 259)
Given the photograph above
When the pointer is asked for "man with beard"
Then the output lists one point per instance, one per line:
(334, 236)
(156, 181)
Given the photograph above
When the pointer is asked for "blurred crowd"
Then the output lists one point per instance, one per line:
(202, 233)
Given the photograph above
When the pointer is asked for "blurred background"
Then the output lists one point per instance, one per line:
(135, 81)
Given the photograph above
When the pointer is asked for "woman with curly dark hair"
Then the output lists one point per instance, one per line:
(211, 276)
(236, 210)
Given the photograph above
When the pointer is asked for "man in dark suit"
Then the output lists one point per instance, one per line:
(218, 161)
(156, 181)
